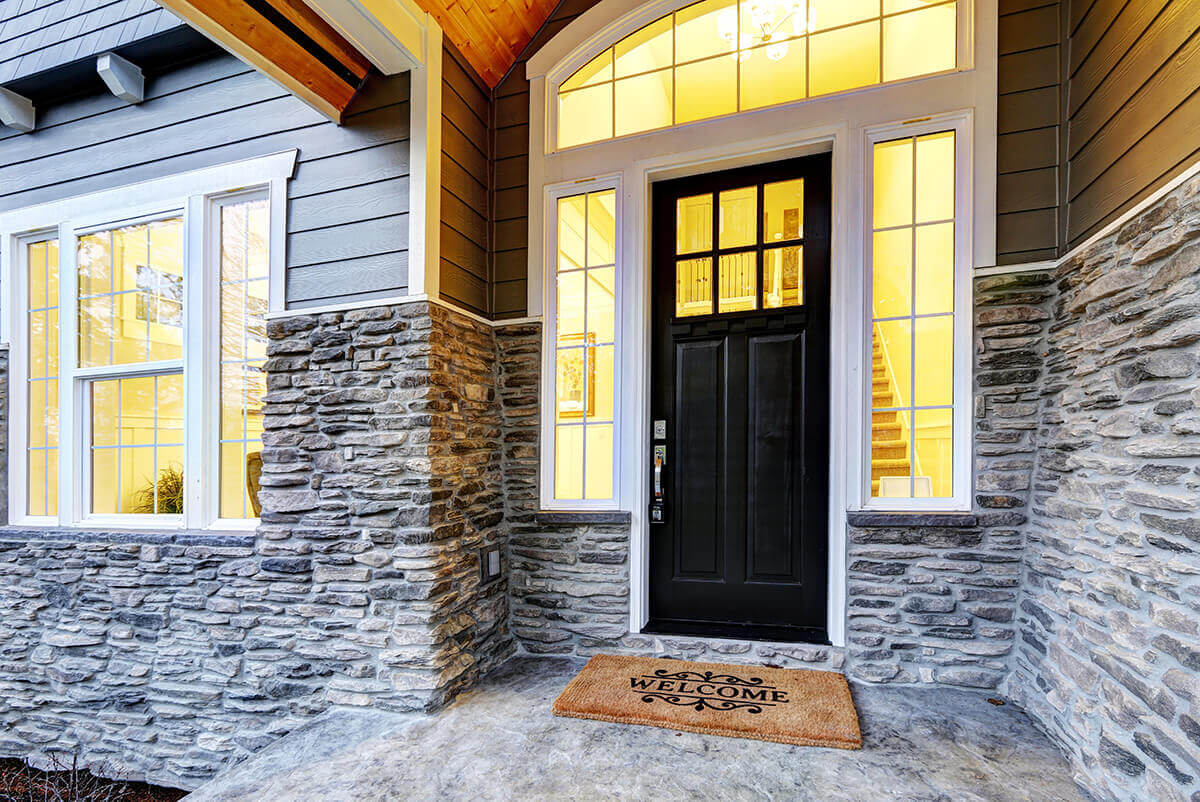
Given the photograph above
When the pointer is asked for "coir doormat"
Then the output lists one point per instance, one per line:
(807, 708)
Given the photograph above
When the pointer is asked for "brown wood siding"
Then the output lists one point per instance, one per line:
(509, 255)
(1029, 110)
(466, 175)
(1133, 108)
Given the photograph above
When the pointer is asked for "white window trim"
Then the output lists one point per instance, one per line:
(962, 124)
(610, 21)
(194, 194)
(549, 374)
(830, 123)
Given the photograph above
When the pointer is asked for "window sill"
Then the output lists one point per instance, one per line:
(582, 517)
(866, 519)
(224, 538)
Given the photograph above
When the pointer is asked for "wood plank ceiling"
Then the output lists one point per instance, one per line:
(490, 33)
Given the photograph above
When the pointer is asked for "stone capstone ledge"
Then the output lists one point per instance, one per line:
(552, 517)
(922, 519)
(129, 537)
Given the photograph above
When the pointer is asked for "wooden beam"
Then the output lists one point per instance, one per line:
(286, 40)
(16, 111)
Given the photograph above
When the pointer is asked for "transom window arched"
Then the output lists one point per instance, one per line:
(719, 57)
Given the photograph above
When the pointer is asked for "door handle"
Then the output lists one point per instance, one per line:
(660, 459)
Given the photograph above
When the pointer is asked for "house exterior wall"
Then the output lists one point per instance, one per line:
(164, 655)
(1133, 108)
(348, 202)
(466, 179)
(1109, 650)
(1028, 131)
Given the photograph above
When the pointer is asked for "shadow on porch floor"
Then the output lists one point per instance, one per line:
(501, 742)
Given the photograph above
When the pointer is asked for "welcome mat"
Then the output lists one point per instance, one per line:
(806, 708)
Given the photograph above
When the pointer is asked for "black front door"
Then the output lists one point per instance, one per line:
(740, 378)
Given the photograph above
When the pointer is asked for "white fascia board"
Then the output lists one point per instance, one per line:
(390, 33)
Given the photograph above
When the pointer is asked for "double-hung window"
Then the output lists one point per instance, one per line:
(138, 327)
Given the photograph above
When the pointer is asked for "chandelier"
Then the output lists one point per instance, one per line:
(767, 23)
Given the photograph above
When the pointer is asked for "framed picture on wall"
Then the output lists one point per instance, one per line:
(577, 377)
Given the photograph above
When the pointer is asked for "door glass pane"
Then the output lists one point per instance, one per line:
(783, 210)
(599, 472)
(919, 42)
(706, 89)
(693, 287)
(601, 303)
(739, 217)
(892, 351)
(568, 462)
(572, 220)
(602, 229)
(643, 103)
(843, 59)
(783, 277)
(738, 280)
(693, 224)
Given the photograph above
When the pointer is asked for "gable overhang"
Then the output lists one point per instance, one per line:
(286, 40)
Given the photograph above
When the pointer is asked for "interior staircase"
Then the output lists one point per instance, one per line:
(889, 451)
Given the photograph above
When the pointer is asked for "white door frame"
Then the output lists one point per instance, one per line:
(838, 124)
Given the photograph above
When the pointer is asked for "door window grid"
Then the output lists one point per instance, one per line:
(41, 261)
(720, 57)
(756, 227)
(912, 410)
(244, 240)
(584, 348)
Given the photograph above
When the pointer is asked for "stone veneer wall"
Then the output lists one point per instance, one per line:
(165, 656)
(1109, 652)
(934, 600)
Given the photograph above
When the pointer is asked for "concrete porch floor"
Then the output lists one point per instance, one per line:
(500, 741)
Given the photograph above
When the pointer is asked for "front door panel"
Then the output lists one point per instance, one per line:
(740, 375)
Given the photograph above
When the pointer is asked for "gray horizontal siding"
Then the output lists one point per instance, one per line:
(348, 202)
(38, 35)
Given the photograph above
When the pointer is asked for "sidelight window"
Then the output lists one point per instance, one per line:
(583, 348)
(720, 57)
(915, 431)
(142, 345)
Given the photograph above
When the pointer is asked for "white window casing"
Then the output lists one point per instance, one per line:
(197, 197)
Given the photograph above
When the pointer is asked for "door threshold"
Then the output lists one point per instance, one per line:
(778, 633)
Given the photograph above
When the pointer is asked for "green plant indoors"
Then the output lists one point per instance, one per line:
(170, 494)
